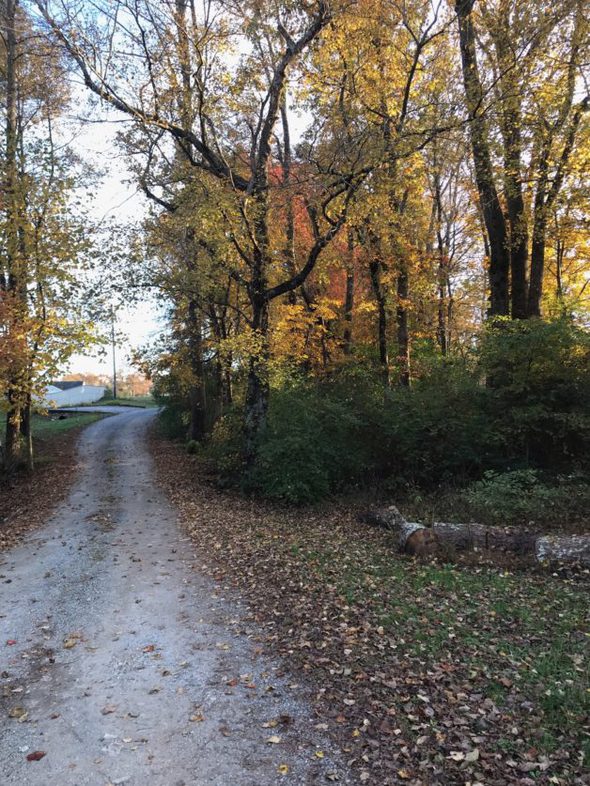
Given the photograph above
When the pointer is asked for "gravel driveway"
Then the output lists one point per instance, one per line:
(122, 663)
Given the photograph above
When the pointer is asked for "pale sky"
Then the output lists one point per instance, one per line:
(115, 199)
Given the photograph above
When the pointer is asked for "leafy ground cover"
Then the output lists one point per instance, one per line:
(426, 673)
(27, 501)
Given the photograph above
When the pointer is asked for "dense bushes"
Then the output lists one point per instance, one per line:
(315, 443)
(520, 404)
(539, 402)
(525, 496)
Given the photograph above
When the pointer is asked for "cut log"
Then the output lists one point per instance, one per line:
(563, 548)
(468, 536)
(415, 538)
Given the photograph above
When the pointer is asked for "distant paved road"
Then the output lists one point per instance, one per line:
(111, 410)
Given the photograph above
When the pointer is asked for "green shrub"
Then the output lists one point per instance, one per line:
(192, 447)
(223, 449)
(524, 497)
(173, 419)
(435, 432)
(516, 406)
(538, 399)
(313, 445)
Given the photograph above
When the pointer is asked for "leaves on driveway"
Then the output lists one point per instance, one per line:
(36, 756)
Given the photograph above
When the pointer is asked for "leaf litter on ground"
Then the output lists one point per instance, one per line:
(424, 673)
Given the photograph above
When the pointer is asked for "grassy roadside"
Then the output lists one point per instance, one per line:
(47, 430)
(27, 501)
(144, 402)
(426, 673)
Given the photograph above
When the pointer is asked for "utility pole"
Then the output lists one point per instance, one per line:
(113, 343)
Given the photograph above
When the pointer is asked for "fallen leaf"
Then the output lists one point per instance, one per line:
(36, 756)
(283, 769)
(197, 718)
(11, 642)
(456, 755)
(108, 709)
(274, 740)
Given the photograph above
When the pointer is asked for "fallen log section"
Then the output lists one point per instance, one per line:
(419, 540)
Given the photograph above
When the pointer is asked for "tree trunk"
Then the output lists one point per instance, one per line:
(27, 435)
(417, 539)
(412, 538)
(441, 328)
(403, 332)
(13, 440)
(349, 296)
(493, 215)
(548, 188)
(257, 390)
(198, 401)
(511, 124)
(537, 268)
(15, 278)
(375, 268)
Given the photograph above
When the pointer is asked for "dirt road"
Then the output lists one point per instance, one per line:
(122, 663)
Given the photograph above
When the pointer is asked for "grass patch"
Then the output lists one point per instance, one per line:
(45, 428)
(143, 402)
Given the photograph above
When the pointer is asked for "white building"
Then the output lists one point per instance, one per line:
(71, 394)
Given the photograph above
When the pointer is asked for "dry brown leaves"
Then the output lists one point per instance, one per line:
(28, 501)
(402, 665)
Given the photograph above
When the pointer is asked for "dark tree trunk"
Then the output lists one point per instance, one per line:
(13, 439)
(441, 329)
(511, 123)
(198, 401)
(15, 273)
(349, 296)
(403, 331)
(518, 256)
(537, 269)
(443, 310)
(495, 224)
(26, 430)
(375, 267)
(223, 362)
(257, 390)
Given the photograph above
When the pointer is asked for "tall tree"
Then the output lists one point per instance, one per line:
(42, 236)
(523, 80)
(235, 115)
